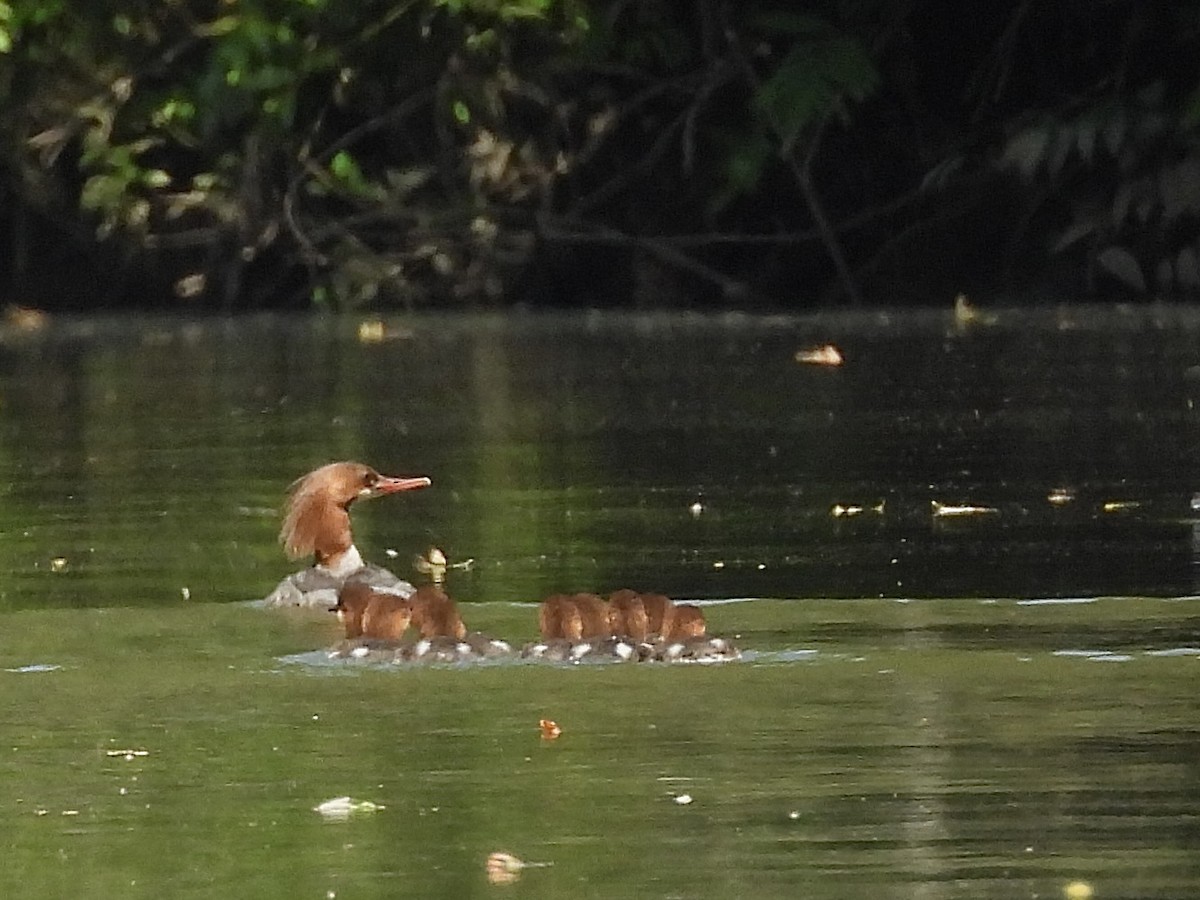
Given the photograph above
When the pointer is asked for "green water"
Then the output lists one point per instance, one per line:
(987, 706)
(873, 748)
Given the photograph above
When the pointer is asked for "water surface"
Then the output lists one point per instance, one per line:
(993, 703)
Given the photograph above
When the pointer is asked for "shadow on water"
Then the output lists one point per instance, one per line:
(978, 679)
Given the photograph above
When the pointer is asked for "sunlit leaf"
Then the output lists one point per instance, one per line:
(1122, 265)
(943, 173)
(812, 78)
(461, 112)
(1073, 234)
(1027, 150)
(344, 167)
(156, 178)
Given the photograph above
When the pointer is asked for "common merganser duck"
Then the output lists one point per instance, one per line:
(683, 621)
(580, 628)
(373, 613)
(635, 627)
(656, 607)
(376, 621)
(627, 615)
(435, 615)
(316, 522)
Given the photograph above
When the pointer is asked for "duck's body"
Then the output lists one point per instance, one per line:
(580, 628)
(588, 650)
(706, 649)
(370, 612)
(657, 607)
(435, 614)
(683, 622)
(377, 623)
(627, 615)
(316, 523)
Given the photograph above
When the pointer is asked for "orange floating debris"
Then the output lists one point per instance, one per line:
(825, 355)
(550, 729)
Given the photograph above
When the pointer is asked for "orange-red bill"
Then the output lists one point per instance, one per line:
(387, 485)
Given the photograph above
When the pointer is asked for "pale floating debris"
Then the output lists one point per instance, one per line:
(185, 592)
(504, 868)
(433, 561)
(794, 814)
(850, 510)
(391, 553)
(952, 510)
(683, 799)
(696, 510)
(35, 667)
(1195, 502)
(1078, 890)
(719, 564)
(435, 564)
(58, 564)
(127, 754)
(1055, 601)
(70, 812)
(824, 355)
(25, 318)
(1111, 506)
(966, 315)
(190, 285)
(371, 332)
(1060, 496)
(374, 331)
(341, 808)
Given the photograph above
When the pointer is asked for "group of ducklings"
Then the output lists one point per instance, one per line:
(426, 626)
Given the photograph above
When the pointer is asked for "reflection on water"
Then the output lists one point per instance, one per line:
(1044, 455)
(1016, 715)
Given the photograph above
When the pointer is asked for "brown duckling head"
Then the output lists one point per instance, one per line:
(627, 615)
(369, 613)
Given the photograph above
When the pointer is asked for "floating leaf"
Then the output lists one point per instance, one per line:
(341, 808)
(824, 355)
(503, 868)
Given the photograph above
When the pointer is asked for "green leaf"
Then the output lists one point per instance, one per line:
(344, 167)
(812, 80)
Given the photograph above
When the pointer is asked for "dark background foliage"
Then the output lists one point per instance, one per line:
(238, 154)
